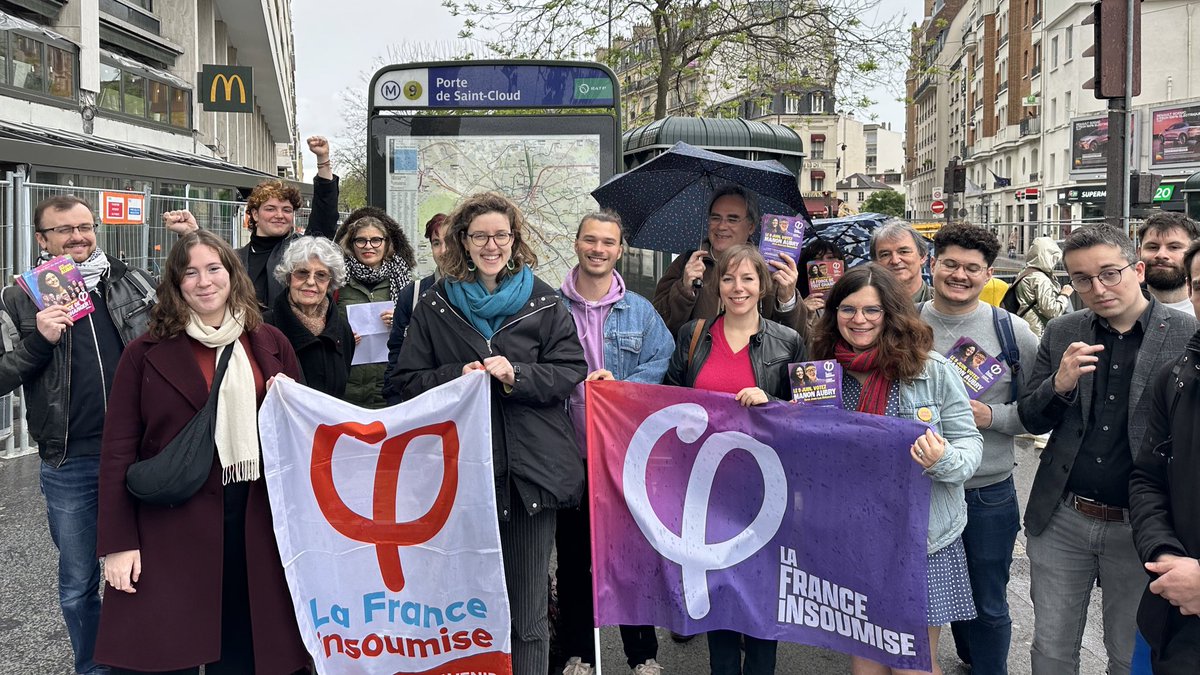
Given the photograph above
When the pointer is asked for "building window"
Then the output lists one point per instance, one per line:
(792, 104)
(818, 102)
(1053, 52)
(1068, 43)
(862, 197)
(37, 65)
(818, 184)
(818, 149)
(133, 94)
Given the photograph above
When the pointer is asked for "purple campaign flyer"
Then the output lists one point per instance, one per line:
(817, 382)
(979, 371)
(781, 234)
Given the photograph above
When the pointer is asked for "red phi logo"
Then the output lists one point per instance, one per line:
(381, 529)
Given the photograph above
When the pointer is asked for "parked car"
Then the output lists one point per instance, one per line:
(1180, 133)
(1095, 141)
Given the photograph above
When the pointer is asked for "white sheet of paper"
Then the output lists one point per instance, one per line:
(364, 320)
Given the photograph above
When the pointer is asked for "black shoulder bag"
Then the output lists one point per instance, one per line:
(171, 477)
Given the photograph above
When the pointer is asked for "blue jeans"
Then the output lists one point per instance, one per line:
(71, 492)
(1065, 561)
(993, 520)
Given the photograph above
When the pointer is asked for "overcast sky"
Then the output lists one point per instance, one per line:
(338, 41)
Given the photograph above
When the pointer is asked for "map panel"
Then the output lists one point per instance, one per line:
(549, 177)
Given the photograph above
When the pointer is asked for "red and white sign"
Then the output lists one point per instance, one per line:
(938, 207)
(122, 208)
(401, 504)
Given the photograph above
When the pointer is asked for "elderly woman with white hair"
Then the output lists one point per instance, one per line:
(311, 268)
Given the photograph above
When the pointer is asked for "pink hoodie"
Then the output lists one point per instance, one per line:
(589, 323)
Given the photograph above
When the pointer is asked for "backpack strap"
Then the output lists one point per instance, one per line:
(696, 333)
(1010, 352)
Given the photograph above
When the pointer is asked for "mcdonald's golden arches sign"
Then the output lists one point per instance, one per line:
(227, 88)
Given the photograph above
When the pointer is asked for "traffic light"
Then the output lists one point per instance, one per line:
(954, 178)
(1109, 21)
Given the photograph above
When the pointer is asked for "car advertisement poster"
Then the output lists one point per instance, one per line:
(1176, 135)
(1089, 144)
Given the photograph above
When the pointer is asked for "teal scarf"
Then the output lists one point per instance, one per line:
(486, 311)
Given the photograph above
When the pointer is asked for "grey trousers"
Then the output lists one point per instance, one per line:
(526, 542)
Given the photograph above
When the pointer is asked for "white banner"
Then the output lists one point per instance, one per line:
(386, 523)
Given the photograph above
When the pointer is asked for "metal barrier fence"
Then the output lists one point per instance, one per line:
(143, 246)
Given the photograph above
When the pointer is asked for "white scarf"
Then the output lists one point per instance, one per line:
(237, 401)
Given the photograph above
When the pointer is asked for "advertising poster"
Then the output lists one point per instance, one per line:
(387, 529)
(1176, 136)
(791, 522)
(1090, 143)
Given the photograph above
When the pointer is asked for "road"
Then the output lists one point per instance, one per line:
(33, 639)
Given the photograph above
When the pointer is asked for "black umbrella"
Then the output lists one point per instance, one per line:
(664, 202)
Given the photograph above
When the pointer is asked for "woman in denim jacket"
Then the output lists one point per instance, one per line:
(872, 328)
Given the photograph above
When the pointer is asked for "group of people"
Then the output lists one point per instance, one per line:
(201, 584)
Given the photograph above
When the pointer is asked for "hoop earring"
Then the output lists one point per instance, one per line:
(510, 265)
(470, 265)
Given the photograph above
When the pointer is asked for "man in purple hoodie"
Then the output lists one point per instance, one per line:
(623, 339)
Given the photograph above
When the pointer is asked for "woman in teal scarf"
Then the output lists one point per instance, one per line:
(489, 312)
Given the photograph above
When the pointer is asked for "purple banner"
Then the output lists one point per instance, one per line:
(798, 523)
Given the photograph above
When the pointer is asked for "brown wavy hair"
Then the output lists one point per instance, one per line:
(456, 257)
(266, 191)
(905, 341)
(171, 314)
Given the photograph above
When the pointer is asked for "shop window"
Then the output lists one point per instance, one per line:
(28, 66)
(135, 94)
(110, 88)
(159, 102)
(62, 72)
(181, 104)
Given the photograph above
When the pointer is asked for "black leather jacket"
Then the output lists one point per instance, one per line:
(772, 348)
(44, 369)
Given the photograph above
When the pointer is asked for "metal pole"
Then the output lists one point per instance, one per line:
(1127, 146)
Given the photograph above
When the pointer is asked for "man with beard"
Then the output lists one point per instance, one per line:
(1164, 239)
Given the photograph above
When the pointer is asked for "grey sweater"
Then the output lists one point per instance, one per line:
(998, 453)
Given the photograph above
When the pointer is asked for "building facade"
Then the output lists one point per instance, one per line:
(105, 93)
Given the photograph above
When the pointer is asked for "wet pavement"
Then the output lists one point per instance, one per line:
(33, 639)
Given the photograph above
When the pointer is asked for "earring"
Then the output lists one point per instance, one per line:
(470, 265)
(510, 265)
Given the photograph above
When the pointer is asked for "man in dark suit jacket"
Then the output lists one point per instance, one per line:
(1086, 387)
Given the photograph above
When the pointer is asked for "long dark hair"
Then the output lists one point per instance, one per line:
(905, 340)
(171, 314)
(398, 243)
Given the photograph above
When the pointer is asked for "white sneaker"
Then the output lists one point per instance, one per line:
(650, 667)
(576, 666)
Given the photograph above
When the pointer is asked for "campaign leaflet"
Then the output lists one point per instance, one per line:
(781, 234)
(979, 371)
(58, 282)
(823, 274)
(817, 382)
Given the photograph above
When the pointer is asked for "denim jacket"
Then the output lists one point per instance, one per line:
(940, 391)
(637, 344)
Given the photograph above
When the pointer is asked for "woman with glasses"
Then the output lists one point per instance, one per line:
(743, 355)
(311, 269)
(873, 330)
(490, 313)
(379, 263)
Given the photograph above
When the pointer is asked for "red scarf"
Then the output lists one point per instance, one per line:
(873, 398)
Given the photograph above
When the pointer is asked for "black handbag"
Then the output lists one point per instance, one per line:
(171, 477)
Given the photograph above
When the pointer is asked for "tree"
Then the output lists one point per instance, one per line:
(759, 45)
(887, 202)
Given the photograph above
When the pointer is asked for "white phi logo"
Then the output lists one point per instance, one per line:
(690, 551)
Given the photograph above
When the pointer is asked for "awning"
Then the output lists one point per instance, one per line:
(143, 69)
(818, 138)
(10, 22)
(817, 207)
(817, 173)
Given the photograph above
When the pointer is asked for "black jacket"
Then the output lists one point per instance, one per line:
(1164, 505)
(400, 319)
(772, 348)
(533, 443)
(325, 358)
(322, 222)
(44, 369)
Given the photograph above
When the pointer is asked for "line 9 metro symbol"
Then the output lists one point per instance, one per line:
(381, 529)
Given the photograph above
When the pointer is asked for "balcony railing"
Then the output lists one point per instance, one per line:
(1037, 18)
(1033, 177)
(1035, 71)
(1031, 125)
(1003, 40)
(1002, 88)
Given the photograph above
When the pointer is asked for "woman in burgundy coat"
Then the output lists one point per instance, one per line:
(200, 583)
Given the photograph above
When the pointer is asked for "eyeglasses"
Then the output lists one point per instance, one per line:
(951, 265)
(365, 242)
(870, 312)
(1107, 277)
(67, 230)
(480, 239)
(714, 219)
(320, 276)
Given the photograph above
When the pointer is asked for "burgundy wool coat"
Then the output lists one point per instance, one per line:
(173, 621)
